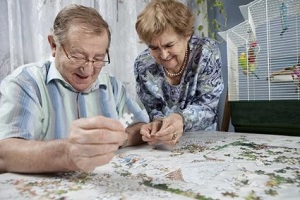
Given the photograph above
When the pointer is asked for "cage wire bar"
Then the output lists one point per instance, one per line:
(275, 49)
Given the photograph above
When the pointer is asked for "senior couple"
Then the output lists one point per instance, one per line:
(63, 115)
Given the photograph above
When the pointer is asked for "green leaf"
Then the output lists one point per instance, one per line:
(200, 28)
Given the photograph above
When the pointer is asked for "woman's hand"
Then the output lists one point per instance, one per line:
(149, 130)
(167, 131)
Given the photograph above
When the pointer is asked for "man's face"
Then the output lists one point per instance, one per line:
(74, 59)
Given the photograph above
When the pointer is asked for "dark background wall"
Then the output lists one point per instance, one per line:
(234, 17)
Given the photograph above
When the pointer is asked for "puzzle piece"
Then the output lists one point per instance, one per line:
(126, 120)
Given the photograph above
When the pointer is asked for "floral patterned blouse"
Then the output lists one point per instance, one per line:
(197, 95)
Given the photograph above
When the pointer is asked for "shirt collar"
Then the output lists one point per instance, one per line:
(54, 75)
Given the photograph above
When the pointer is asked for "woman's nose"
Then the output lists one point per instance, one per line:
(164, 53)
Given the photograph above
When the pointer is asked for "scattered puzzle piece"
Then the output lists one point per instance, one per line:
(126, 120)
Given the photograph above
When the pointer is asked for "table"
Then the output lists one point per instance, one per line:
(204, 165)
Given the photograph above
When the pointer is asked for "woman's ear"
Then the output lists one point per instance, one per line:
(52, 45)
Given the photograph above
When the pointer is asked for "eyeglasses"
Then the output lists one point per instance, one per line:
(82, 61)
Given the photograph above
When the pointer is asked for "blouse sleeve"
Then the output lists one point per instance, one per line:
(207, 85)
(148, 87)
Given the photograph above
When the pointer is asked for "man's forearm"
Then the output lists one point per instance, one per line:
(25, 156)
(134, 136)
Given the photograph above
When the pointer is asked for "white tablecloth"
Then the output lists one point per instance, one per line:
(204, 165)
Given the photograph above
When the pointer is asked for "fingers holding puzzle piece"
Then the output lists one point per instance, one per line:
(126, 120)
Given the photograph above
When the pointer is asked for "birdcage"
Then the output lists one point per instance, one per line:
(263, 55)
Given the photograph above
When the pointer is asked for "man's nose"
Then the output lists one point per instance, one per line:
(88, 68)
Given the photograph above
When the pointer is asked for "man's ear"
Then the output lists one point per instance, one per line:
(52, 45)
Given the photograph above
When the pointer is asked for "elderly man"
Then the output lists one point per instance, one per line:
(63, 115)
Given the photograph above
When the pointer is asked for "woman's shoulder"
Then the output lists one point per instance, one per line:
(202, 42)
(144, 61)
(144, 56)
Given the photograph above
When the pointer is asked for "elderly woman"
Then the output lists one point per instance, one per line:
(178, 77)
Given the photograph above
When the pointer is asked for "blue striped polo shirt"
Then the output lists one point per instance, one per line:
(37, 103)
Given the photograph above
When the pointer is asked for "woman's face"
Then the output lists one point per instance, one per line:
(168, 50)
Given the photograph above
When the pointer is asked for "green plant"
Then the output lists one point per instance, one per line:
(213, 24)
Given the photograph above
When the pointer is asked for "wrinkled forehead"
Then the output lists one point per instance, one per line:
(167, 37)
(80, 34)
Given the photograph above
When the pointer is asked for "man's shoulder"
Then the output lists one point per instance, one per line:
(108, 79)
(27, 78)
(36, 71)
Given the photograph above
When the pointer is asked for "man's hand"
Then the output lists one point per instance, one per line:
(93, 141)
